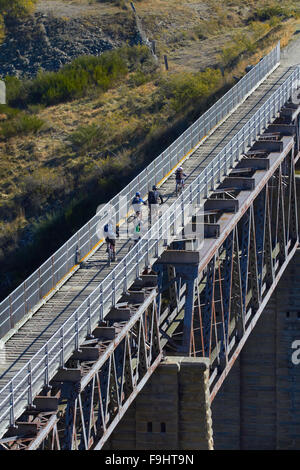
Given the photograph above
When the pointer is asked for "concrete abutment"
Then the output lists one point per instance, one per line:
(171, 412)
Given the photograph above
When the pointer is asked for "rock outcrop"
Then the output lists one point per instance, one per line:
(45, 42)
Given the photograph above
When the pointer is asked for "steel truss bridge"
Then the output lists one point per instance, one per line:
(81, 337)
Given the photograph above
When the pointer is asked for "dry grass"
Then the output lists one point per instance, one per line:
(116, 107)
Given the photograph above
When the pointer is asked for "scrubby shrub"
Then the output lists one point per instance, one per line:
(240, 43)
(21, 124)
(8, 111)
(201, 32)
(14, 89)
(138, 78)
(270, 11)
(259, 29)
(188, 88)
(86, 138)
(78, 78)
(16, 7)
(39, 187)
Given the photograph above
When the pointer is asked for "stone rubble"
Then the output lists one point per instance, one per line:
(44, 42)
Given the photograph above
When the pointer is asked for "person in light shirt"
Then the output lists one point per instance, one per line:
(110, 237)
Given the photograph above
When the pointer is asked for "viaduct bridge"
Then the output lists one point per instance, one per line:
(134, 353)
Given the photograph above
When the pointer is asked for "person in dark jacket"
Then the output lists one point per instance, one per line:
(179, 176)
(153, 202)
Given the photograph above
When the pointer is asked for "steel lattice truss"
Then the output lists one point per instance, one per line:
(92, 393)
(108, 392)
(223, 300)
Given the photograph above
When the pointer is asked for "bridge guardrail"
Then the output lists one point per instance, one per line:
(43, 281)
(21, 390)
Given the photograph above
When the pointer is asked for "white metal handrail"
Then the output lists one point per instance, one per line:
(39, 285)
(20, 391)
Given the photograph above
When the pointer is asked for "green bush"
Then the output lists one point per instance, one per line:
(16, 7)
(270, 11)
(9, 111)
(78, 78)
(259, 29)
(138, 78)
(241, 43)
(41, 186)
(22, 124)
(184, 89)
(86, 138)
(14, 89)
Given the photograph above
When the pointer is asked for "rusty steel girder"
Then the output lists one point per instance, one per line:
(221, 294)
(99, 381)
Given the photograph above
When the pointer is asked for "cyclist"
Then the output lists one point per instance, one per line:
(179, 175)
(137, 201)
(110, 238)
(153, 202)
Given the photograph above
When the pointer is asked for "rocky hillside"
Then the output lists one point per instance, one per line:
(48, 39)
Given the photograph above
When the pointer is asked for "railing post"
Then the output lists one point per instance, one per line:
(101, 309)
(182, 210)
(25, 299)
(191, 193)
(90, 244)
(12, 404)
(40, 295)
(29, 384)
(10, 313)
(125, 275)
(212, 186)
(113, 297)
(89, 325)
(231, 156)
(76, 331)
(147, 254)
(52, 270)
(46, 366)
(156, 248)
(62, 346)
(137, 268)
(206, 184)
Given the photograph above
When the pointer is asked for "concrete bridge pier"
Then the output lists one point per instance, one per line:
(172, 411)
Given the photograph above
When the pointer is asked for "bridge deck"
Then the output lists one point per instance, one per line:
(47, 320)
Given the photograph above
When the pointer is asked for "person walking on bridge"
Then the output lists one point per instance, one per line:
(179, 176)
(153, 202)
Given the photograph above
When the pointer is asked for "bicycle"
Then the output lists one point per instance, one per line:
(110, 252)
(136, 230)
(179, 187)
